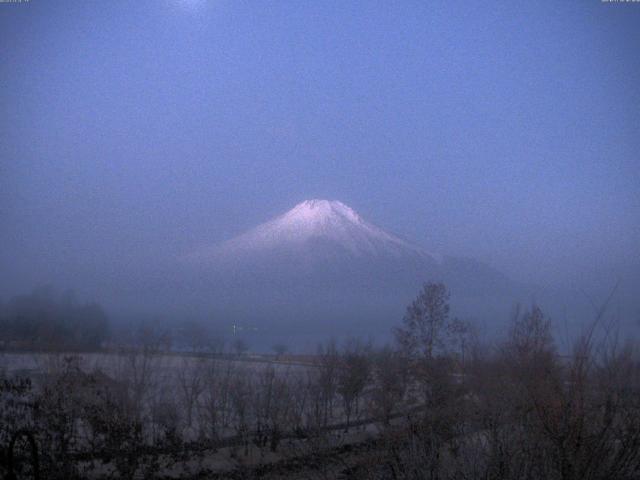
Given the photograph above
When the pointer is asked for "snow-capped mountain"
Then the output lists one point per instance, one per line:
(322, 245)
(322, 266)
(314, 228)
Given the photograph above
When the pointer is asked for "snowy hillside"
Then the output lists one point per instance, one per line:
(305, 226)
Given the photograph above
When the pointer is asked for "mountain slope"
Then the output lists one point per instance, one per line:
(322, 260)
(306, 226)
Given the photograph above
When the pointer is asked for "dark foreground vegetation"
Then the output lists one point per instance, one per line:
(436, 405)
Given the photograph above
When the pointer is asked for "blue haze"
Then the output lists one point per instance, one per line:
(132, 132)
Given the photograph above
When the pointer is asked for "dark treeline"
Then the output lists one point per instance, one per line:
(436, 404)
(44, 320)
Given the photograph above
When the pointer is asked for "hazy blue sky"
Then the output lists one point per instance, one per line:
(134, 130)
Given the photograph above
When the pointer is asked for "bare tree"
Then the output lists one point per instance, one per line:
(461, 335)
(326, 375)
(353, 375)
(425, 321)
(139, 371)
(272, 404)
(216, 402)
(241, 389)
(390, 378)
(190, 379)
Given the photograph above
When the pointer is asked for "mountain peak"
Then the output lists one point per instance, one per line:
(318, 210)
(309, 222)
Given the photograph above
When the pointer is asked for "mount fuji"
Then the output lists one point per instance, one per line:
(322, 261)
(331, 225)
